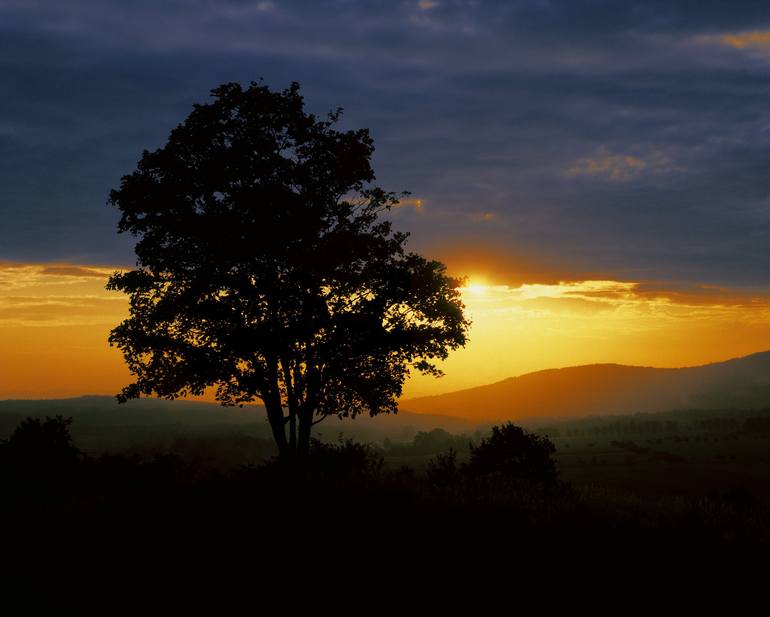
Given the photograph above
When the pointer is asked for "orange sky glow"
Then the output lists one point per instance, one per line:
(54, 321)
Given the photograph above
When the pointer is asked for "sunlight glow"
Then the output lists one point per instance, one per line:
(533, 326)
(475, 286)
(54, 322)
(475, 289)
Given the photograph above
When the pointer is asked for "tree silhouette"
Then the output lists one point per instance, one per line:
(513, 453)
(43, 442)
(39, 453)
(266, 270)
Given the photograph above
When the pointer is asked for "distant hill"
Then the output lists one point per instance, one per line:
(609, 389)
(597, 389)
(101, 424)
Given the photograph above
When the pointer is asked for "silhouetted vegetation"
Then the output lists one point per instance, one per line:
(442, 470)
(513, 453)
(429, 442)
(494, 493)
(630, 446)
(39, 456)
(267, 271)
(344, 459)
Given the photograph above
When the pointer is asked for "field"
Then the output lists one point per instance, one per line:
(691, 478)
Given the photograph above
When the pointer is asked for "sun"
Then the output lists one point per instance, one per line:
(475, 286)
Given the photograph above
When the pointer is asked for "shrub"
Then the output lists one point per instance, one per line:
(346, 458)
(42, 443)
(40, 454)
(513, 453)
(442, 470)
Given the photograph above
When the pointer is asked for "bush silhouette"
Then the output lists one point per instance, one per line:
(40, 453)
(345, 459)
(513, 453)
(442, 470)
(42, 443)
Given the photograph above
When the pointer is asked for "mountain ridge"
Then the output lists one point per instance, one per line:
(563, 392)
(608, 389)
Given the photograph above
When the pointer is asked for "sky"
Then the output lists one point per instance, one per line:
(598, 169)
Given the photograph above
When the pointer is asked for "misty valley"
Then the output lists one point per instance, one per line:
(698, 478)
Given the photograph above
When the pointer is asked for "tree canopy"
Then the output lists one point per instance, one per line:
(266, 269)
(513, 453)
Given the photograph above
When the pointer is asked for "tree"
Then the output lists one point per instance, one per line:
(265, 269)
(513, 453)
(39, 454)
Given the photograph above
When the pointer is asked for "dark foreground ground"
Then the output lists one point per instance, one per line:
(624, 500)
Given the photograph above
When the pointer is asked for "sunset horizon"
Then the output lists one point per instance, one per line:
(57, 318)
(309, 278)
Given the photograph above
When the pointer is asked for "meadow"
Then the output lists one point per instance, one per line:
(693, 479)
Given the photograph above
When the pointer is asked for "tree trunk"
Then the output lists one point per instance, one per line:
(292, 431)
(278, 426)
(303, 441)
(274, 407)
(292, 403)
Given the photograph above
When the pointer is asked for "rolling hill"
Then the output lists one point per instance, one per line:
(605, 389)
(599, 389)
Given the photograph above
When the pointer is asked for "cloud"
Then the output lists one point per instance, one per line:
(61, 310)
(16, 276)
(60, 295)
(482, 217)
(616, 167)
(580, 306)
(501, 104)
(76, 271)
(759, 39)
(413, 202)
(629, 301)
